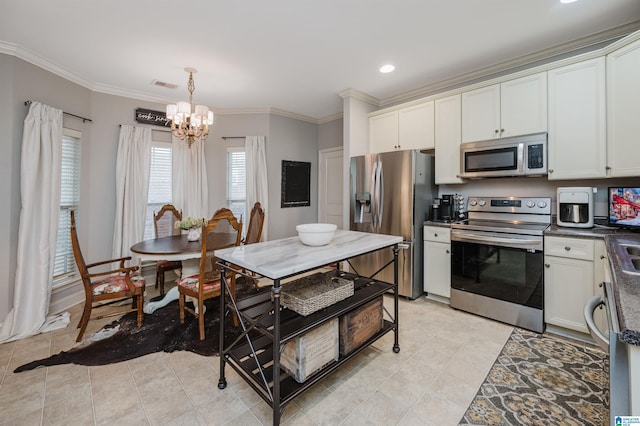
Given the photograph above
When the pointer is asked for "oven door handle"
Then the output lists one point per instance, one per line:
(490, 239)
(596, 334)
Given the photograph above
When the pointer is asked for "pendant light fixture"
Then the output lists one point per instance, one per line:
(189, 123)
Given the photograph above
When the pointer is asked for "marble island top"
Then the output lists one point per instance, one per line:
(288, 256)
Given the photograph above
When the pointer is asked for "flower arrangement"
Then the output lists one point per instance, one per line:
(189, 223)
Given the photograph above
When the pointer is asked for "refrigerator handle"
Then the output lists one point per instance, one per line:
(374, 195)
(380, 195)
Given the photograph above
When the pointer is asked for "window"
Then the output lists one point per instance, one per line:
(64, 266)
(236, 181)
(159, 183)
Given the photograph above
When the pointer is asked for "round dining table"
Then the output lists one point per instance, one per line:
(178, 247)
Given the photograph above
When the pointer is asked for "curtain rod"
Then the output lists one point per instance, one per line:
(233, 137)
(84, 119)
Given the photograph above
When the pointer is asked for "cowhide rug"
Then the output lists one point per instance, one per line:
(160, 331)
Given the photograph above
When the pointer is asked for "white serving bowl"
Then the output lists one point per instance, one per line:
(316, 234)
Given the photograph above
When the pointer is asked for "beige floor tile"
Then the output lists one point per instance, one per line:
(436, 411)
(110, 372)
(130, 416)
(453, 389)
(34, 418)
(162, 407)
(245, 419)
(65, 390)
(203, 389)
(328, 410)
(222, 409)
(73, 406)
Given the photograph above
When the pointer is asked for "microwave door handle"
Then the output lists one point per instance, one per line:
(521, 165)
(589, 309)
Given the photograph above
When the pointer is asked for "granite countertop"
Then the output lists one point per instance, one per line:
(626, 287)
(440, 224)
(599, 230)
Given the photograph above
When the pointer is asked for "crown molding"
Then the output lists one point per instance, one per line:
(265, 110)
(354, 93)
(611, 35)
(117, 91)
(41, 62)
(336, 116)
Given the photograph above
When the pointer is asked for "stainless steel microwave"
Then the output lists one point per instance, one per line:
(513, 156)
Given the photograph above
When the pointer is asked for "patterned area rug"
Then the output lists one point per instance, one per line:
(542, 380)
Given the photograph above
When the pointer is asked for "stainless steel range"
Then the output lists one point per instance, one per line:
(497, 262)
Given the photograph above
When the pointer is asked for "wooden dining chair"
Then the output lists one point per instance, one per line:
(254, 231)
(163, 225)
(256, 222)
(107, 287)
(206, 284)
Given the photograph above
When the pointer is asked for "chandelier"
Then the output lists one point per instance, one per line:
(188, 123)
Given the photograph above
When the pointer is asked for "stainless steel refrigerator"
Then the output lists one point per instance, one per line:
(390, 194)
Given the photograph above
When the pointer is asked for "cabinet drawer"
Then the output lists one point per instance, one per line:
(437, 233)
(574, 248)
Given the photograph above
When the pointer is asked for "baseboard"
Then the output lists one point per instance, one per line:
(65, 297)
(570, 334)
(437, 298)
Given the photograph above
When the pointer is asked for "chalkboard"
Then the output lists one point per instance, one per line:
(296, 181)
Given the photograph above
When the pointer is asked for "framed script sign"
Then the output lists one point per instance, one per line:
(157, 118)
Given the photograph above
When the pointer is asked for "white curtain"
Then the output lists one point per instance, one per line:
(133, 165)
(40, 170)
(256, 175)
(190, 190)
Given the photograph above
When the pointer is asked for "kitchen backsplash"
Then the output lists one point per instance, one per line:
(536, 187)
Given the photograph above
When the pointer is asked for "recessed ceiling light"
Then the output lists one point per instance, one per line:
(387, 68)
(567, 1)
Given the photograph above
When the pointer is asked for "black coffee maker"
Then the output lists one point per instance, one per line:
(447, 208)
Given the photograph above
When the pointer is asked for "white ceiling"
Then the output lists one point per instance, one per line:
(292, 55)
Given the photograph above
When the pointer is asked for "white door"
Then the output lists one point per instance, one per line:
(330, 169)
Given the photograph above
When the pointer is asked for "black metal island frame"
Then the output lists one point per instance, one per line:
(267, 326)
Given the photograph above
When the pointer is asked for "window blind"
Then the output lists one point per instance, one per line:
(64, 266)
(236, 182)
(159, 183)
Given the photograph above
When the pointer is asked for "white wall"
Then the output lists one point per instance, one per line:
(291, 140)
(330, 134)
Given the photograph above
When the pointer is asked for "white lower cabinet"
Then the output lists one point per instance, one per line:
(437, 261)
(573, 267)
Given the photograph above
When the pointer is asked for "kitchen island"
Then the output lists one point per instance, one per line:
(267, 326)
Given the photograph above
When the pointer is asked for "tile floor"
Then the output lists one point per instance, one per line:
(444, 357)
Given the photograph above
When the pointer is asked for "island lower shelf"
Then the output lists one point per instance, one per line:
(244, 358)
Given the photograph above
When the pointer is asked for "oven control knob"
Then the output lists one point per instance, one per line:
(473, 202)
(542, 204)
(482, 203)
(531, 204)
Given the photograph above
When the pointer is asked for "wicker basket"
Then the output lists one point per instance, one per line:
(314, 292)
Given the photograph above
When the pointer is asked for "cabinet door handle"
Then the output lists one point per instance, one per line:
(447, 251)
(550, 170)
(567, 248)
(546, 265)
(602, 256)
(501, 130)
(496, 131)
(435, 235)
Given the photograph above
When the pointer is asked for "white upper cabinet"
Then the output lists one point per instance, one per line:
(577, 121)
(383, 132)
(408, 128)
(416, 127)
(447, 162)
(515, 107)
(623, 111)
